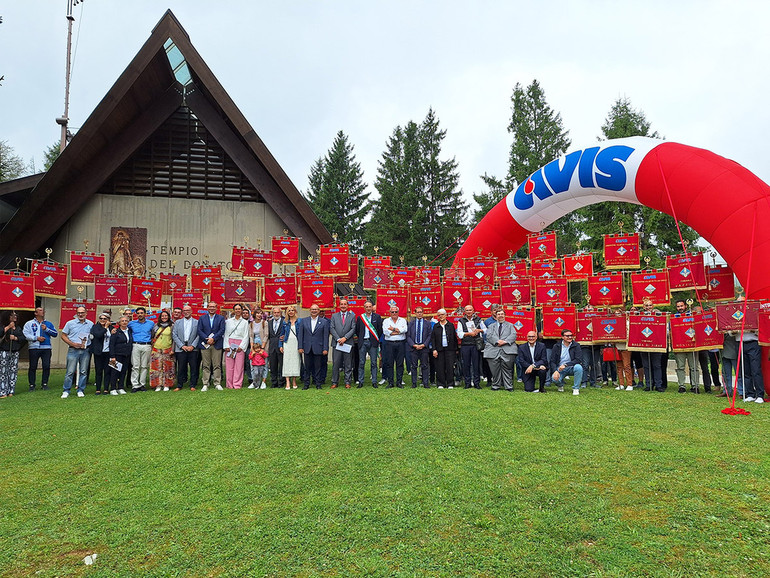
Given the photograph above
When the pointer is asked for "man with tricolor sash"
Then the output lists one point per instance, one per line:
(369, 332)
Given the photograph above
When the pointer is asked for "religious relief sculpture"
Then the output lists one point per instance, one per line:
(128, 251)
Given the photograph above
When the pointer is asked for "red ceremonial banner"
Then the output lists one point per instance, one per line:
(550, 268)
(606, 289)
(111, 290)
(720, 283)
(683, 333)
(483, 299)
(17, 291)
(352, 275)
(217, 295)
(335, 259)
(647, 332)
(764, 327)
(280, 291)
(650, 284)
(551, 290)
(377, 261)
(69, 309)
(241, 290)
(402, 276)
(146, 292)
(523, 319)
(257, 263)
(427, 275)
(426, 296)
(236, 259)
(610, 327)
(307, 271)
(203, 277)
(173, 282)
(577, 267)
(85, 266)
(542, 246)
(455, 294)
(686, 272)
(317, 290)
(706, 334)
(50, 279)
(585, 326)
(194, 299)
(621, 251)
(285, 250)
(730, 316)
(391, 296)
(480, 271)
(516, 291)
(377, 277)
(556, 318)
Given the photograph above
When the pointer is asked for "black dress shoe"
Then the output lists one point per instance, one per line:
(477, 387)
(305, 387)
(542, 391)
(414, 387)
(426, 386)
(682, 389)
(467, 387)
(375, 386)
(400, 386)
(44, 387)
(389, 386)
(318, 387)
(32, 388)
(359, 386)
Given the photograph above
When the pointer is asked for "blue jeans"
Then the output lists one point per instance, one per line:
(575, 370)
(77, 357)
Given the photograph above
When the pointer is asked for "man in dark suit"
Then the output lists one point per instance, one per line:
(121, 344)
(369, 332)
(418, 344)
(211, 331)
(533, 359)
(342, 329)
(313, 338)
(275, 330)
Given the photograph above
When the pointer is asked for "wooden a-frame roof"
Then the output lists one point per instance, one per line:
(145, 95)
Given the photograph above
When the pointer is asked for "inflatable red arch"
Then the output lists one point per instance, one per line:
(725, 203)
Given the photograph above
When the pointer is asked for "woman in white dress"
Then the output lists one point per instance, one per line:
(236, 344)
(290, 349)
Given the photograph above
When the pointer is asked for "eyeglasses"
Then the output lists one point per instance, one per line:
(568, 336)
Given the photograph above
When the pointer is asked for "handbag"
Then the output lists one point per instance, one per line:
(611, 353)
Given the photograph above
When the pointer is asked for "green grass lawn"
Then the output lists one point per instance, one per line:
(382, 483)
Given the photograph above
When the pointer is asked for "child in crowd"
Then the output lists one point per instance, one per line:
(257, 356)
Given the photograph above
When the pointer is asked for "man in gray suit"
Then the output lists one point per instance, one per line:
(343, 327)
(500, 351)
(185, 336)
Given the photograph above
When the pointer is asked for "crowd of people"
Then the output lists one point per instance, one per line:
(131, 353)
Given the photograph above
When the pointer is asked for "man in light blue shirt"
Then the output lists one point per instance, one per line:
(77, 334)
(141, 327)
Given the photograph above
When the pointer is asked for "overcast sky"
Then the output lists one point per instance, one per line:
(300, 71)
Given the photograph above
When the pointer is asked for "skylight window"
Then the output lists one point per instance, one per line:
(177, 62)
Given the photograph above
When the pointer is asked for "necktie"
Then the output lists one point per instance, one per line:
(499, 331)
(344, 315)
(419, 331)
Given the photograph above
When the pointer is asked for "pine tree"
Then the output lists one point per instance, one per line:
(420, 210)
(337, 193)
(11, 165)
(538, 138)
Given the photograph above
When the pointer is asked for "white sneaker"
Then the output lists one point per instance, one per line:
(749, 399)
(575, 392)
(441, 387)
(263, 386)
(381, 382)
(165, 389)
(122, 391)
(65, 395)
(629, 388)
(81, 394)
(561, 389)
(159, 388)
(620, 387)
(759, 400)
(205, 388)
(114, 392)
(252, 386)
(450, 387)
(219, 388)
